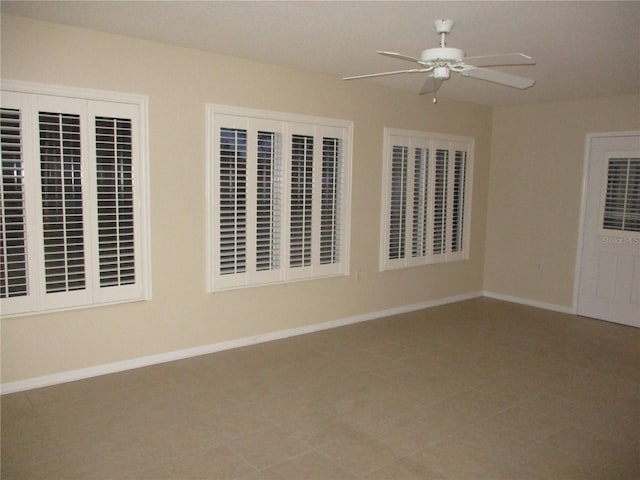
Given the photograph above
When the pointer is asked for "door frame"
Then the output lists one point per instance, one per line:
(583, 205)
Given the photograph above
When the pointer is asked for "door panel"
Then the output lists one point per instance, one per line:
(609, 281)
(606, 279)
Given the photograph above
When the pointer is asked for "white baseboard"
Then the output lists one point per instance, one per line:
(530, 303)
(80, 374)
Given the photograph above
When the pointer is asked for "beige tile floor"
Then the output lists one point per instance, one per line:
(481, 389)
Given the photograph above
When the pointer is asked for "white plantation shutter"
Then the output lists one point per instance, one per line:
(279, 184)
(426, 198)
(118, 227)
(325, 210)
(247, 184)
(58, 176)
(73, 181)
(622, 198)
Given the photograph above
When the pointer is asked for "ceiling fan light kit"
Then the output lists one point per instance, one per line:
(441, 72)
(443, 60)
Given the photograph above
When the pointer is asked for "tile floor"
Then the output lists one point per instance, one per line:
(481, 389)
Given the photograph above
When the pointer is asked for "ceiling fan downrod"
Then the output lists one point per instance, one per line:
(443, 26)
(442, 56)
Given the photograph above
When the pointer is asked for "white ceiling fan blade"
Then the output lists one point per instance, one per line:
(398, 55)
(431, 85)
(496, 60)
(413, 70)
(499, 77)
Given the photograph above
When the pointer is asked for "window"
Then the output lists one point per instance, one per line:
(279, 197)
(622, 200)
(427, 198)
(73, 229)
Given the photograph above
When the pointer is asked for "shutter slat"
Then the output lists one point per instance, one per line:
(440, 201)
(267, 203)
(301, 199)
(61, 191)
(232, 231)
(419, 240)
(13, 239)
(459, 182)
(114, 179)
(397, 214)
(331, 206)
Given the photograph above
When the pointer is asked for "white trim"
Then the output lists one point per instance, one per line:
(531, 303)
(80, 374)
(244, 112)
(445, 137)
(36, 88)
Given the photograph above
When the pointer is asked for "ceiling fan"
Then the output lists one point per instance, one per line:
(443, 60)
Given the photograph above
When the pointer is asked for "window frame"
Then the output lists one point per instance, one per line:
(609, 231)
(413, 140)
(32, 99)
(286, 125)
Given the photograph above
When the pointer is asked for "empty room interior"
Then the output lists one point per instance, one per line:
(223, 257)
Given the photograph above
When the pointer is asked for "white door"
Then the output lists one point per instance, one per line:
(609, 281)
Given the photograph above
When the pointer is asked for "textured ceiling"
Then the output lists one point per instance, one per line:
(582, 49)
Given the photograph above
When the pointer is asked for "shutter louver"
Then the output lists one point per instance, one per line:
(615, 198)
(301, 201)
(13, 241)
(632, 212)
(459, 182)
(440, 202)
(330, 202)
(622, 201)
(62, 208)
(269, 191)
(115, 201)
(419, 240)
(397, 213)
(233, 200)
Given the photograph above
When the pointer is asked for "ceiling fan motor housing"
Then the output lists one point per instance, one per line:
(444, 54)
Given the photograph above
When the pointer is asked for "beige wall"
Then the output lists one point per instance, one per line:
(181, 315)
(537, 156)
